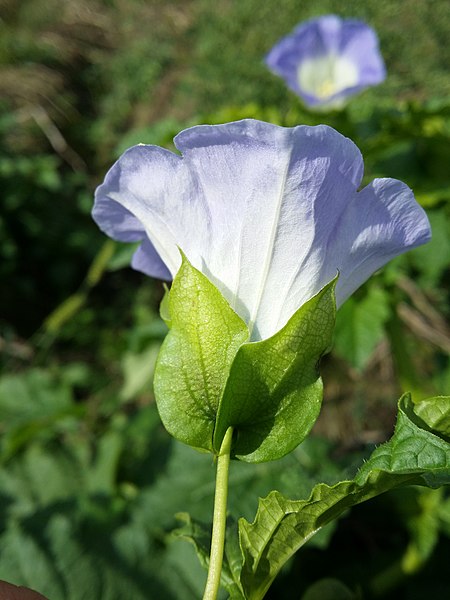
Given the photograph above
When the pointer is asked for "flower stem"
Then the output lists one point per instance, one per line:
(219, 519)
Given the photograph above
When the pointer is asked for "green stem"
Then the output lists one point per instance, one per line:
(219, 519)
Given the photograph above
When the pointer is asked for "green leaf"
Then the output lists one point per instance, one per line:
(138, 368)
(432, 259)
(413, 456)
(22, 480)
(415, 509)
(433, 197)
(435, 412)
(423, 526)
(164, 307)
(195, 357)
(199, 534)
(32, 403)
(275, 383)
(413, 451)
(123, 253)
(360, 326)
(69, 556)
(185, 483)
(329, 589)
(207, 378)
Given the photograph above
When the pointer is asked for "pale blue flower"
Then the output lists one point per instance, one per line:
(327, 60)
(269, 214)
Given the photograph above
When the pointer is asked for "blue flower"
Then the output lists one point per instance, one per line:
(269, 214)
(327, 60)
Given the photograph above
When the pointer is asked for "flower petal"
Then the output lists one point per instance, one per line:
(261, 182)
(358, 40)
(142, 199)
(382, 221)
(116, 221)
(148, 261)
(269, 214)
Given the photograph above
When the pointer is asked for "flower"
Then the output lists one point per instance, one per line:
(269, 214)
(328, 59)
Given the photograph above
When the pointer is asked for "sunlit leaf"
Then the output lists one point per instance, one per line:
(275, 383)
(138, 369)
(413, 456)
(435, 412)
(195, 357)
(360, 326)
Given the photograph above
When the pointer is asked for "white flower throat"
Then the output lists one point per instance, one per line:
(326, 75)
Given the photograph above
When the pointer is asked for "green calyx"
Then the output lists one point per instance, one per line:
(209, 377)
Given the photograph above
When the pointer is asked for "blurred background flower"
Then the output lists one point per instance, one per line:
(327, 60)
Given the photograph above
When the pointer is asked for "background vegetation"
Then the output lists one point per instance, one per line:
(89, 481)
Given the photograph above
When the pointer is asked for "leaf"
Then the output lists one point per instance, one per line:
(275, 383)
(100, 551)
(435, 412)
(182, 561)
(423, 526)
(329, 589)
(199, 534)
(413, 456)
(32, 403)
(138, 368)
(63, 557)
(164, 307)
(186, 483)
(433, 197)
(102, 476)
(22, 480)
(432, 258)
(360, 326)
(195, 358)
(207, 378)
(413, 451)
(123, 253)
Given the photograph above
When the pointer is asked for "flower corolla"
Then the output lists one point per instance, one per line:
(327, 60)
(269, 214)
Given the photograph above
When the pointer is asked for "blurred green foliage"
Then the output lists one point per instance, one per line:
(89, 481)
